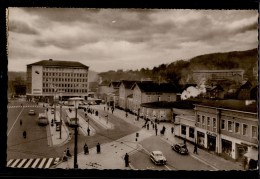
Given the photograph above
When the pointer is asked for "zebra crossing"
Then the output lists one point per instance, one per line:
(33, 162)
(35, 106)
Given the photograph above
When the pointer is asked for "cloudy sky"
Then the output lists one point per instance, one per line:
(111, 39)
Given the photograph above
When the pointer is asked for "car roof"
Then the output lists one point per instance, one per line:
(181, 144)
(157, 152)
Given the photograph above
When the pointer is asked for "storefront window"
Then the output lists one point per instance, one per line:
(226, 147)
(203, 120)
(237, 127)
(214, 123)
(245, 129)
(198, 118)
(254, 131)
(208, 121)
(183, 130)
(191, 132)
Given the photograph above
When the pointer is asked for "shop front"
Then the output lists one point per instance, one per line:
(226, 148)
(211, 144)
(201, 139)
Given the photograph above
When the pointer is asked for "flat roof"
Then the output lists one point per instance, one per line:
(58, 63)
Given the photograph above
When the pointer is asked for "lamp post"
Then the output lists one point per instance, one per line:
(60, 119)
(76, 102)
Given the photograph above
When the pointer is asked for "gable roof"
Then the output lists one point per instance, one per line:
(58, 63)
(155, 87)
(115, 84)
(128, 84)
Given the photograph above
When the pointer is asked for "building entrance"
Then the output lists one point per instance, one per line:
(211, 143)
(226, 147)
(201, 138)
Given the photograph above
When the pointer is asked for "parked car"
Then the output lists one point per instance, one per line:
(31, 112)
(157, 158)
(180, 148)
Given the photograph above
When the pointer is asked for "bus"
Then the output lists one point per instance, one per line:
(43, 119)
(71, 120)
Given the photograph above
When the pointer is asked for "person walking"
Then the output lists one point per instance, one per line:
(68, 152)
(64, 158)
(126, 160)
(172, 129)
(156, 130)
(86, 149)
(126, 114)
(147, 126)
(24, 134)
(21, 122)
(88, 131)
(98, 148)
(195, 151)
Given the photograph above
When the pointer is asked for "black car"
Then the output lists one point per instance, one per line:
(180, 148)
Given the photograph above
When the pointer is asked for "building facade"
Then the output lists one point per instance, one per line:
(228, 128)
(49, 79)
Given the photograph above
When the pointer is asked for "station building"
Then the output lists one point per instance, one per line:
(52, 79)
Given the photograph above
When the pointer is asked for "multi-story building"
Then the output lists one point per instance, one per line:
(148, 92)
(124, 91)
(227, 127)
(218, 75)
(48, 79)
(113, 94)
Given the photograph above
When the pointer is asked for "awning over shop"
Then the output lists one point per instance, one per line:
(252, 154)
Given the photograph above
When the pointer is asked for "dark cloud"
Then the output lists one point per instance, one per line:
(21, 27)
(248, 27)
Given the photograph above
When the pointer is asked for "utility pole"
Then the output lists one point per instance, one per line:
(76, 139)
(60, 119)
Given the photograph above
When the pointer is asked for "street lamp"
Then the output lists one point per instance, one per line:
(76, 103)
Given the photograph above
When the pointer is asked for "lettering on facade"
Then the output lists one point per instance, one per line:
(36, 89)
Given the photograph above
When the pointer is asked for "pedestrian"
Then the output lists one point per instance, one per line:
(24, 134)
(156, 131)
(88, 131)
(21, 122)
(172, 130)
(244, 161)
(64, 158)
(126, 160)
(68, 152)
(147, 126)
(86, 149)
(155, 126)
(195, 151)
(126, 114)
(98, 148)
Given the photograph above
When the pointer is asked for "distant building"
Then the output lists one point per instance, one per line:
(112, 98)
(49, 78)
(219, 75)
(103, 90)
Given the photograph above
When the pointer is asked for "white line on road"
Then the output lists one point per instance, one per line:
(48, 163)
(13, 165)
(21, 164)
(167, 167)
(35, 163)
(28, 163)
(15, 122)
(41, 164)
(9, 162)
(204, 162)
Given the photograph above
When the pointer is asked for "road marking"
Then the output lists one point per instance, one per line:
(21, 164)
(48, 163)
(15, 163)
(204, 162)
(167, 167)
(35, 163)
(15, 122)
(9, 162)
(41, 164)
(28, 163)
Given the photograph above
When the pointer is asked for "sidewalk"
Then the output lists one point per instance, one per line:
(111, 156)
(212, 160)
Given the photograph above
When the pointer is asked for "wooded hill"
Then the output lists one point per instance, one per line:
(180, 71)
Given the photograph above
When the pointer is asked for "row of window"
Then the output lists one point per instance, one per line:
(191, 131)
(64, 85)
(206, 120)
(230, 126)
(62, 69)
(66, 90)
(65, 74)
(64, 80)
(235, 127)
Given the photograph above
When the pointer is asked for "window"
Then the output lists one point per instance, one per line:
(198, 118)
(203, 120)
(208, 121)
(183, 130)
(214, 122)
(222, 124)
(159, 98)
(230, 126)
(245, 129)
(191, 132)
(149, 98)
(237, 127)
(254, 131)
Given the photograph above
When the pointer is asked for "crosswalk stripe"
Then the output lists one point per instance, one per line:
(41, 164)
(9, 162)
(48, 163)
(28, 163)
(21, 164)
(35, 163)
(15, 162)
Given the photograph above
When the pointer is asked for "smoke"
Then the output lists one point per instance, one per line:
(194, 91)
